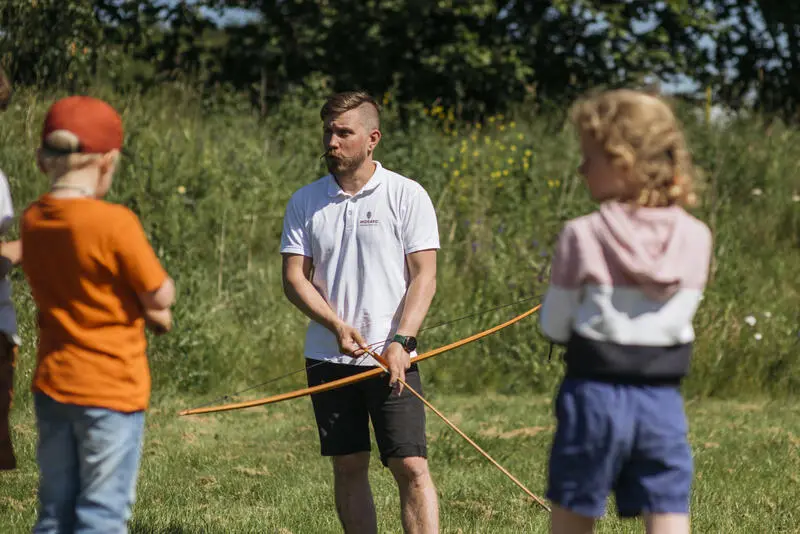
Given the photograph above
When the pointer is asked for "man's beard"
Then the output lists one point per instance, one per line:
(340, 166)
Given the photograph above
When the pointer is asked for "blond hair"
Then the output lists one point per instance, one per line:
(641, 135)
(346, 101)
(57, 155)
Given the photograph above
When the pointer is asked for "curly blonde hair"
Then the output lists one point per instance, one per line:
(641, 136)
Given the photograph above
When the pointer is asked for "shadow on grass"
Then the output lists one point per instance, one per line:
(141, 527)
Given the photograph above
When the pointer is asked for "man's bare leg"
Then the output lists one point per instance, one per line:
(418, 501)
(353, 494)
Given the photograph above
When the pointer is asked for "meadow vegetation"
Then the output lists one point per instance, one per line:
(210, 182)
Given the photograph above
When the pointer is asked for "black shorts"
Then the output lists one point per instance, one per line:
(343, 414)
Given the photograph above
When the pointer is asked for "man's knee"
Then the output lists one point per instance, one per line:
(350, 465)
(410, 470)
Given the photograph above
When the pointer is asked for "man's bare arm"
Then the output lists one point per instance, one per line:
(301, 292)
(421, 289)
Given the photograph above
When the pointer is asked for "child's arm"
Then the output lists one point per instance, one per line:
(156, 305)
(563, 295)
(10, 256)
(143, 271)
(10, 251)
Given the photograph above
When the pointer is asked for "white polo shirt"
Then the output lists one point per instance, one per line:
(358, 245)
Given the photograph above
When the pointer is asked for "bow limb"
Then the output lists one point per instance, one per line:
(355, 378)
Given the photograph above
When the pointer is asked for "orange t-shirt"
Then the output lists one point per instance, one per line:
(85, 261)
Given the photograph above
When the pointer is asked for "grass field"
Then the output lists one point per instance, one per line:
(210, 186)
(259, 470)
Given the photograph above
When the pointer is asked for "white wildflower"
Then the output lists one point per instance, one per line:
(758, 336)
(181, 190)
(767, 314)
(796, 197)
(750, 320)
(756, 192)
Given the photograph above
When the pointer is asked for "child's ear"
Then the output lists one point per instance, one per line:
(109, 161)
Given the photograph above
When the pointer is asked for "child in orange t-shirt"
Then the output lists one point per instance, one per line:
(97, 283)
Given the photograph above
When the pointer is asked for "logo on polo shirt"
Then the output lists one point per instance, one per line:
(369, 221)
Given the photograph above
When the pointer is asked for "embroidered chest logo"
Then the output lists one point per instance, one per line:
(368, 221)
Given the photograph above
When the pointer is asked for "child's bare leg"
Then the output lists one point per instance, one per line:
(667, 523)
(562, 521)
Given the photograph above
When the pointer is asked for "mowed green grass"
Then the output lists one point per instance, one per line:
(259, 470)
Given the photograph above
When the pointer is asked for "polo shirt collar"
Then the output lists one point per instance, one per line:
(375, 180)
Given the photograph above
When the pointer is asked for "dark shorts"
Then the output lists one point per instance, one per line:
(343, 414)
(629, 439)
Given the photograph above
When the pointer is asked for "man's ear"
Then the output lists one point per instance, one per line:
(374, 139)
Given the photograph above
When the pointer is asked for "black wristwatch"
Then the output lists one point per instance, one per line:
(409, 343)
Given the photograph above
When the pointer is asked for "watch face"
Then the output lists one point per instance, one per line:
(411, 344)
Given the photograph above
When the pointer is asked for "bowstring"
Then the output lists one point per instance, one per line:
(360, 359)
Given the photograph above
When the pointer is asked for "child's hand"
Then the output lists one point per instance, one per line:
(12, 250)
(158, 321)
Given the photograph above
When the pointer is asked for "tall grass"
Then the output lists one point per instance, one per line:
(210, 185)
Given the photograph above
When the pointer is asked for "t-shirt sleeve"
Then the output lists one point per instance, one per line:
(420, 227)
(138, 262)
(6, 205)
(563, 294)
(295, 238)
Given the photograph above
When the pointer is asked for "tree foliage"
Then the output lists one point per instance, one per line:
(471, 55)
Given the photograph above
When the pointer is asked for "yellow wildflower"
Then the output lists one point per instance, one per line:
(456, 173)
(505, 172)
(528, 153)
(502, 127)
(513, 148)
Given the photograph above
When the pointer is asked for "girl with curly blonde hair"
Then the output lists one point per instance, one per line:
(626, 282)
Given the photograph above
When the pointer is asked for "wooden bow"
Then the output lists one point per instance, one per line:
(377, 371)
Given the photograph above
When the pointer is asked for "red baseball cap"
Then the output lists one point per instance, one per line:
(95, 126)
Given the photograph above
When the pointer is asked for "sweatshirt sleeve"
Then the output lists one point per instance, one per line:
(563, 294)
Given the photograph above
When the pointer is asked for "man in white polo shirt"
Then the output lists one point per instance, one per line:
(359, 259)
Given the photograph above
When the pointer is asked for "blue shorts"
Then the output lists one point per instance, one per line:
(630, 439)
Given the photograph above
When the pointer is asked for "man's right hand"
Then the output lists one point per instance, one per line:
(350, 341)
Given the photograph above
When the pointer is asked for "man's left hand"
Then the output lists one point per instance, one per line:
(399, 360)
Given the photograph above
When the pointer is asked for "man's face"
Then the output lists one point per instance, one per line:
(346, 140)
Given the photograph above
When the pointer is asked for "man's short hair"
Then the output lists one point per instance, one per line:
(5, 90)
(343, 102)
